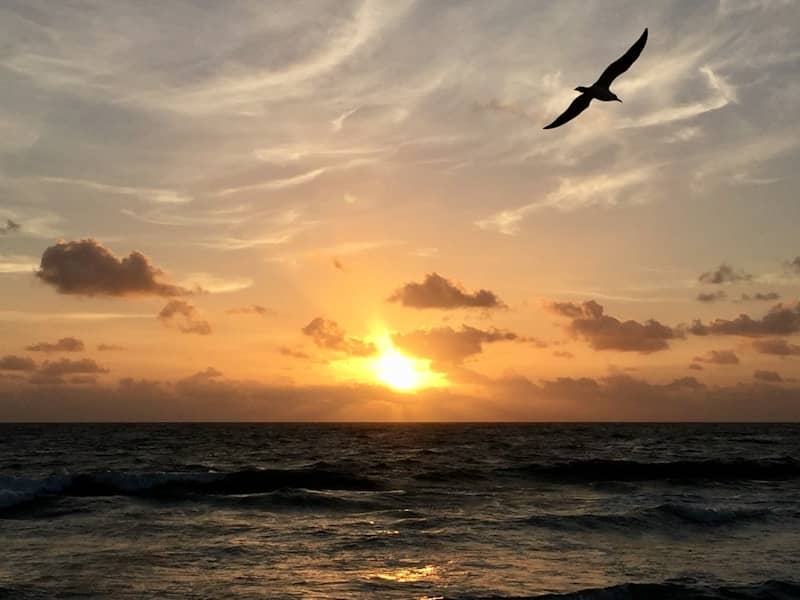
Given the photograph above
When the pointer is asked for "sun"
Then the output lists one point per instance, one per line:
(400, 372)
(396, 370)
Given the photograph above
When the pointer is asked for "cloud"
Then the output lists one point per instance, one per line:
(184, 316)
(438, 292)
(67, 344)
(109, 347)
(601, 189)
(338, 264)
(794, 265)
(696, 367)
(86, 267)
(711, 296)
(10, 362)
(781, 319)
(9, 227)
(253, 309)
(770, 376)
(445, 344)
(761, 297)
(66, 366)
(285, 351)
(328, 335)
(563, 354)
(777, 347)
(725, 273)
(604, 332)
(719, 357)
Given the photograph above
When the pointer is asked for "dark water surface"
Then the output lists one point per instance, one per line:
(399, 511)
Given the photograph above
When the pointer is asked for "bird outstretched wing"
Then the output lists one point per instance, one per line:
(580, 104)
(622, 64)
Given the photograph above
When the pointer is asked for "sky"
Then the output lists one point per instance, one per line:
(349, 211)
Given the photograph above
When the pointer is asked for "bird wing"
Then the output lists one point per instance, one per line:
(580, 104)
(622, 64)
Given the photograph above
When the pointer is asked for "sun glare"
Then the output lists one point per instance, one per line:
(400, 372)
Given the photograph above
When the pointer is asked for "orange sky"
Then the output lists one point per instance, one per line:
(349, 211)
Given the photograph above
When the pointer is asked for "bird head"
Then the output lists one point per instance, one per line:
(581, 89)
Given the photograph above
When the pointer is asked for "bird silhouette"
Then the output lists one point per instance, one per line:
(601, 89)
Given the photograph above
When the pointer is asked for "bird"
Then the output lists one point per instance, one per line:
(601, 89)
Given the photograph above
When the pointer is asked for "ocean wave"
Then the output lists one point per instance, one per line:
(663, 517)
(19, 491)
(599, 470)
(770, 590)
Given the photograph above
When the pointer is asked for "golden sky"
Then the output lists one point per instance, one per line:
(350, 211)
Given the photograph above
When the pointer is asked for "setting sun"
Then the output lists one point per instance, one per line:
(401, 372)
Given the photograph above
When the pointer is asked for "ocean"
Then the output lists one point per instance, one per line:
(414, 511)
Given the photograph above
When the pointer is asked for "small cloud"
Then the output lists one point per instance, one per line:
(207, 283)
(66, 366)
(793, 266)
(425, 252)
(327, 334)
(604, 332)
(769, 376)
(350, 199)
(9, 227)
(338, 264)
(725, 273)
(253, 309)
(781, 319)
(760, 297)
(563, 354)
(83, 380)
(86, 267)
(438, 292)
(285, 351)
(109, 347)
(67, 344)
(719, 357)
(711, 296)
(696, 367)
(776, 347)
(184, 316)
(445, 344)
(11, 362)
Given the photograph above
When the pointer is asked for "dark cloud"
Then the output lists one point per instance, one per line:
(794, 265)
(604, 332)
(719, 357)
(11, 362)
(83, 380)
(445, 344)
(696, 367)
(253, 309)
(711, 296)
(109, 347)
(66, 366)
(618, 397)
(438, 292)
(10, 227)
(293, 353)
(781, 319)
(86, 267)
(771, 376)
(563, 354)
(760, 297)
(777, 347)
(725, 273)
(327, 334)
(184, 316)
(338, 264)
(66, 344)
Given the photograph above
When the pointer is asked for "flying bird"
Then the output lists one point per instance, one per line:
(601, 89)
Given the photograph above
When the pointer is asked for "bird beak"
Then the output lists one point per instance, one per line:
(618, 100)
